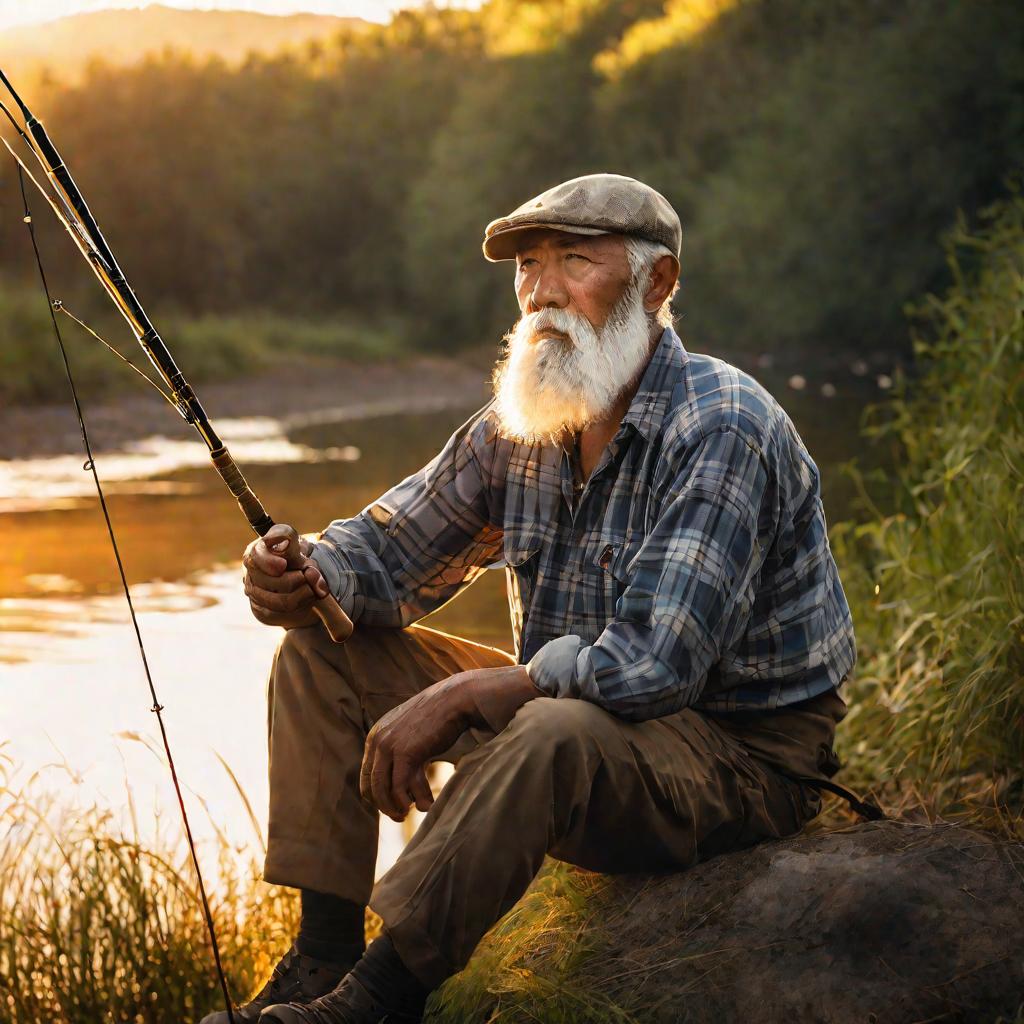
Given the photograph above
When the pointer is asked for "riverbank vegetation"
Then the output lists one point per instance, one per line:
(212, 346)
(936, 574)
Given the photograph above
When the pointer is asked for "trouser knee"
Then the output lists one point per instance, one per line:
(548, 755)
(305, 660)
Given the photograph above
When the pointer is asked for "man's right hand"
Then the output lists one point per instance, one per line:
(279, 596)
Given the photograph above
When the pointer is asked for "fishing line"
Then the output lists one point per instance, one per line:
(157, 708)
(59, 306)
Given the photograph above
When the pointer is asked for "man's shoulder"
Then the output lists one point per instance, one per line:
(713, 395)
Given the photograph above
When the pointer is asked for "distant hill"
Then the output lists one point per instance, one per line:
(63, 47)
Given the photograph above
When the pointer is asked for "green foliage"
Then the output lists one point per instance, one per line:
(208, 347)
(30, 366)
(815, 149)
(937, 584)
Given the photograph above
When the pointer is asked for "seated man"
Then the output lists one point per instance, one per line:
(680, 629)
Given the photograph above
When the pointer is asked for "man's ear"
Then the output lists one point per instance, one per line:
(664, 275)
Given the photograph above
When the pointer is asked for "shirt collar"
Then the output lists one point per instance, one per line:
(659, 380)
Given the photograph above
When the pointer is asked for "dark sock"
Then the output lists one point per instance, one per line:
(331, 928)
(390, 983)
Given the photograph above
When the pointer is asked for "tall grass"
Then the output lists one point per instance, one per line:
(98, 924)
(936, 582)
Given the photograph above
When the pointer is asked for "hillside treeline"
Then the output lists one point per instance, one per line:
(815, 150)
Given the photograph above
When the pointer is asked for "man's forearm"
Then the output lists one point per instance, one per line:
(494, 695)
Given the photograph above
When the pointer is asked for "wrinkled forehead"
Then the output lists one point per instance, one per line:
(538, 239)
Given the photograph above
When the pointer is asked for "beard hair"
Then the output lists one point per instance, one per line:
(547, 386)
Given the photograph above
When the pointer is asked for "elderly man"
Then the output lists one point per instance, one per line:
(679, 624)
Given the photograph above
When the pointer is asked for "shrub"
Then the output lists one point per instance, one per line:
(937, 583)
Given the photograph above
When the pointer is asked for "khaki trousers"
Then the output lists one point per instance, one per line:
(564, 778)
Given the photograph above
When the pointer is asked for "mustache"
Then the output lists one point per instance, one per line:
(557, 323)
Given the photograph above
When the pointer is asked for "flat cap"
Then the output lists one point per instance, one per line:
(596, 204)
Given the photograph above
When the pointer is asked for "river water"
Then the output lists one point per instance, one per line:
(74, 705)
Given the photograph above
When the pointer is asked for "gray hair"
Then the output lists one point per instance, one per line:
(642, 256)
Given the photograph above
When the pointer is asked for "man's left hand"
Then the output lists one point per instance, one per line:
(402, 743)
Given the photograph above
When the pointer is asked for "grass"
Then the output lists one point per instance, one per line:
(97, 925)
(210, 347)
(937, 583)
(537, 963)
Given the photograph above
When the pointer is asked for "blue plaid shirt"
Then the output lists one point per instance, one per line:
(693, 570)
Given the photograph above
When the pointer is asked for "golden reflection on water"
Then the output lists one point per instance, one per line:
(72, 691)
(191, 523)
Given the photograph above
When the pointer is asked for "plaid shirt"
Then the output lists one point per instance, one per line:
(693, 570)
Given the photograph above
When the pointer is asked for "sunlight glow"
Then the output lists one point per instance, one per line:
(17, 12)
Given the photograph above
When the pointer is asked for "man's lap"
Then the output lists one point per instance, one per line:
(712, 774)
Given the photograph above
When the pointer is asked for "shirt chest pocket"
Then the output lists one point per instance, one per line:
(521, 552)
(613, 563)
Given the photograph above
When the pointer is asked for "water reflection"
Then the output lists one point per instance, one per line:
(71, 683)
(42, 484)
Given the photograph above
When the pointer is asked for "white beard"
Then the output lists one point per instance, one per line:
(546, 386)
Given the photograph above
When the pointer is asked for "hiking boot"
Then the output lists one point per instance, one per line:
(349, 1003)
(297, 979)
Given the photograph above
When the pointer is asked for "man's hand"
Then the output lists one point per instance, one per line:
(402, 742)
(279, 596)
(399, 746)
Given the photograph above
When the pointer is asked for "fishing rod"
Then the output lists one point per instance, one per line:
(73, 212)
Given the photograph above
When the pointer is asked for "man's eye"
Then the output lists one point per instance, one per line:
(526, 262)
(576, 256)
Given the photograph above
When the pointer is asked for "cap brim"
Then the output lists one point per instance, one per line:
(503, 244)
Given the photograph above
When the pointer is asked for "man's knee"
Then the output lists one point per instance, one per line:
(308, 660)
(547, 726)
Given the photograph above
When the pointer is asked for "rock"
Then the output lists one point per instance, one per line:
(884, 922)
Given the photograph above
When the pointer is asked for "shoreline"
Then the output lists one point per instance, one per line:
(297, 395)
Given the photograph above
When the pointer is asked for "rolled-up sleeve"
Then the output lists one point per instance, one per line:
(689, 589)
(427, 538)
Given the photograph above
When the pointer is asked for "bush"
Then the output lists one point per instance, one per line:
(937, 583)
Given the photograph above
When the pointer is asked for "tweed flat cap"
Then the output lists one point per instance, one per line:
(596, 204)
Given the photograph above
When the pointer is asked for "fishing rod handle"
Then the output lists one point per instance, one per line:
(331, 614)
(247, 501)
(338, 625)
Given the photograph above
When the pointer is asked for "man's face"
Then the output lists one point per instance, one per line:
(582, 339)
(583, 274)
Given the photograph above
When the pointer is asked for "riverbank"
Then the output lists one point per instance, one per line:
(290, 392)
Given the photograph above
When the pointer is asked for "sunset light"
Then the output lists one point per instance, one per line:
(15, 12)
(558, 556)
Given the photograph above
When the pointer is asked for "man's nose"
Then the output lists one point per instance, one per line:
(548, 292)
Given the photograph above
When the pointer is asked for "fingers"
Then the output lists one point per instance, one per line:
(419, 789)
(266, 557)
(272, 588)
(292, 580)
(378, 773)
(264, 615)
(314, 578)
(364, 774)
(275, 601)
(392, 785)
